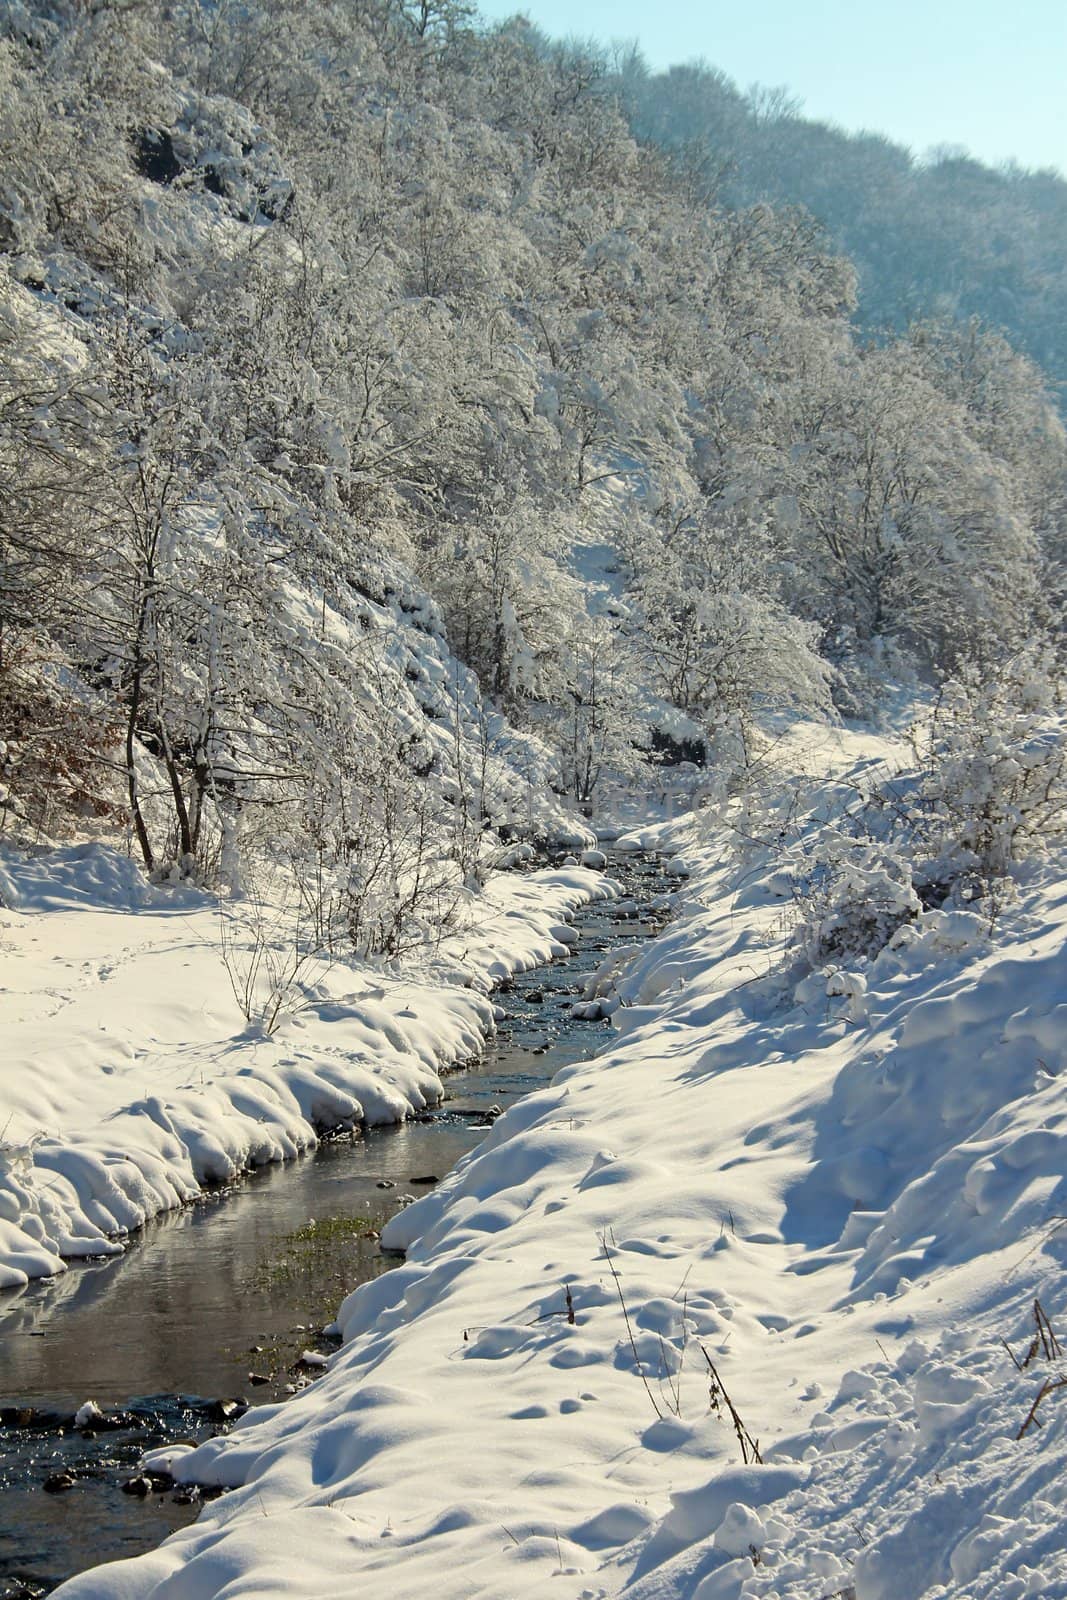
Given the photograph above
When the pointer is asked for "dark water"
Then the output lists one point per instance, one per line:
(216, 1304)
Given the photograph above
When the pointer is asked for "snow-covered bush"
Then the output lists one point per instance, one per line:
(855, 896)
(993, 762)
(987, 793)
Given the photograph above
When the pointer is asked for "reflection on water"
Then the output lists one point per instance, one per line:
(219, 1300)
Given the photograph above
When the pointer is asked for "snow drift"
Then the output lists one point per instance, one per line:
(808, 1209)
(130, 1078)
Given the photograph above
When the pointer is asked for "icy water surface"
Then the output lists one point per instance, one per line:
(212, 1308)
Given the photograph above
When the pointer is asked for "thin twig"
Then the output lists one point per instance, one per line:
(1032, 1416)
(750, 1450)
(674, 1384)
(1050, 1345)
(629, 1327)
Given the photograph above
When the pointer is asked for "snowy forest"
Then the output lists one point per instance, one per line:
(395, 429)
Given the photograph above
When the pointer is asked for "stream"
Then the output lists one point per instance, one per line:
(212, 1308)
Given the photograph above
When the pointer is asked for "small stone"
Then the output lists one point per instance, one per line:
(257, 1378)
(58, 1482)
(115, 1421)
(427, 1181)
(224, 1410)
(310, 1359)
(141, 1487)
(186, 1494)
(385, 1183)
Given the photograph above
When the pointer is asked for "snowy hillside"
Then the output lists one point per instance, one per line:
(334, 339)
(744, 1306)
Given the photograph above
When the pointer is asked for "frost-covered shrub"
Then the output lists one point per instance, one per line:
(856, 896)
(993, 764)
(987, 793)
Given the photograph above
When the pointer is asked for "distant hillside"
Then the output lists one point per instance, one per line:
(945, 237)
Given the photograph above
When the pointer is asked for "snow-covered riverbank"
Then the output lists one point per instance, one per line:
(130, 1078)
(843, 1195)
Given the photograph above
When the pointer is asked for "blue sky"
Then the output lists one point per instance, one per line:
(992, 77)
